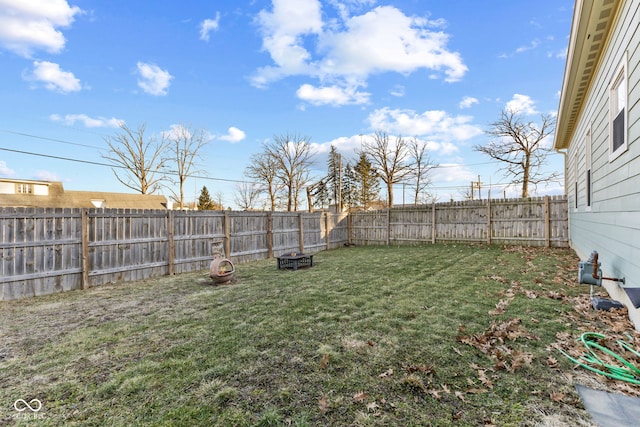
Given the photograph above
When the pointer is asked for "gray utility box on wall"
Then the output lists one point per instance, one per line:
(585, 274)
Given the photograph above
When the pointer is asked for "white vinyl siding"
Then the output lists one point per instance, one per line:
(611, 224)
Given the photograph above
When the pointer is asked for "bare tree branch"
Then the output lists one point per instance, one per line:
(185, 145)
(141, 159)
(390, 159)
(521, 147)
(292, 154)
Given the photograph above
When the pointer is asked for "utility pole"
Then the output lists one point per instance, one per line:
(475, 184)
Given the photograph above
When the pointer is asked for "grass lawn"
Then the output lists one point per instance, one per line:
(370, 336)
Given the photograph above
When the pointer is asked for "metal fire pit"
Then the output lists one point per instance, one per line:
(221, 269)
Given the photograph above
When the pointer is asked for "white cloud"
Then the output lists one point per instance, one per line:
(6, 170)
(89, 122)
(177, 132)
(332, 95)
(233, 135)
(53, 78)
(452, 172)
(344, 52)
(468, 101)
(522, 104)
(43, 175)
(534, 44)
(398, 90)
(26, 26)
(345, 145)
(434, 124)
(209, 25)
(152, 79)
(385, 39)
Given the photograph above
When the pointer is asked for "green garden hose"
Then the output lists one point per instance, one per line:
(628, 372)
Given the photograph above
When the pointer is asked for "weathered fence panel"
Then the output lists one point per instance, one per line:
(248, 233)
(337, 225)
(540, 221)
(193, 236)
(127, 245)
(39, 251)
(51, 250)
(369, 227)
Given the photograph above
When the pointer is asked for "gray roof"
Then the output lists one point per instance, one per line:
(60, 198)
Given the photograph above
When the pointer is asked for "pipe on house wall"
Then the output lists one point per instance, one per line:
(594, 260)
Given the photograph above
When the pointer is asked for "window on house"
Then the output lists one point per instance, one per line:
(618, 109)
(24, 188)
(587, 157)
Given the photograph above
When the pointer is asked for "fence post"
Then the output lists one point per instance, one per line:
(547, 222)
(388, 225)
(488, 220)
(301, 232)
(327, 232)
(349, 227)
(270, 234)
(172, 242)
(433, 222)
(227, 235)
(85, 247)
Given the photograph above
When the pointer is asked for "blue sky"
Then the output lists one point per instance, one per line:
(244, 71)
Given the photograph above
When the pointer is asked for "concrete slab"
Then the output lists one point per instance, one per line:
(610, 409)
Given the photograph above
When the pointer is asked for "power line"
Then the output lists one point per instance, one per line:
(49, 139)
(89, 162)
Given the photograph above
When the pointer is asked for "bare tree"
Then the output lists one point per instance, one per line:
(185, 145)
(521, 147)
(390, 159)
(293, 154)
(140, 159)
(246, 195)
(264, 169)
(421, 166)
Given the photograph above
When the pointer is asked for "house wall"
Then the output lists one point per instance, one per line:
(611, 225)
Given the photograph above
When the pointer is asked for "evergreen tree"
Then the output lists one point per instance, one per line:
(334, 177)
(367, 179)
(205, 203)
(349, 187)
(321, 194)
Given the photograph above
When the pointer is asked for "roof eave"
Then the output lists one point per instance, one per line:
(592, 22)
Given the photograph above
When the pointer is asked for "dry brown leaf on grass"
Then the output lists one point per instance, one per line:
(557, 396)
(323, 404)
(324, 362)
(459, 395)
(360, 396)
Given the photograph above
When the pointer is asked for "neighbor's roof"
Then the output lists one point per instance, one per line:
(59, 198)
(592, 22)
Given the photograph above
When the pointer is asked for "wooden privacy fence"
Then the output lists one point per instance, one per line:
(538, 221)
(51, 250)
